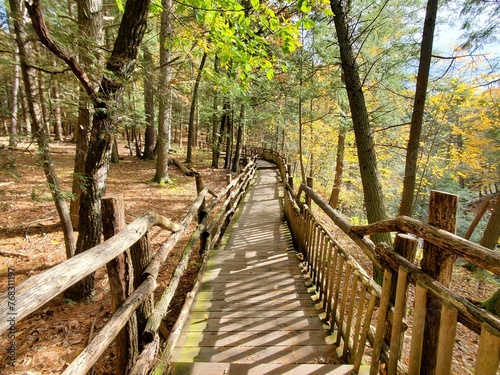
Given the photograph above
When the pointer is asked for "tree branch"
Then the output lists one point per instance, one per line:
(38, 23)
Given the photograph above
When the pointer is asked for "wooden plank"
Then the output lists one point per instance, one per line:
(274, 354)
(259, 369)
(488, 355)
(417, 341)
(251, 338)
(446, 342)
(254, 324)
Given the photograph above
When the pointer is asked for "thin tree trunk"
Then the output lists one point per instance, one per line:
(58, 132)
(339, 168)
(492, 231)
(406, 207)
(216, 137)
(229, 138)
(26, 114)
(149, 108)
(239, 139)
(32, 97)
(194, 101)
(14, 102)
(165, 110)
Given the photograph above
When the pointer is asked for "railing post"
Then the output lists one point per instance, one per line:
(310, 183)
(121, 277)
(438, 264)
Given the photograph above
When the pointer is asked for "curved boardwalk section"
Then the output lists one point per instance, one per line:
(253, 314)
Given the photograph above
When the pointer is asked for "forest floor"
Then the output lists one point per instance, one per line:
(31, 241)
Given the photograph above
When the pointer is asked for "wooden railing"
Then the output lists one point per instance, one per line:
(213, 217)
(362, 314)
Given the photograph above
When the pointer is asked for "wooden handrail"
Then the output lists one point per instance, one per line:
(41, 288)
(474, 253)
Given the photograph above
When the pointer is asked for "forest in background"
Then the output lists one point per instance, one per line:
(223, 74)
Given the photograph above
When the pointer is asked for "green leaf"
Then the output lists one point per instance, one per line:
(119, 4)
(270, 74)
(305, 6)
(273, 24)
(255, 4)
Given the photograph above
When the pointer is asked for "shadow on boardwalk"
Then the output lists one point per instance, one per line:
(253, 311)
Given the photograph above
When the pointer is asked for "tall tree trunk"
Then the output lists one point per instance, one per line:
(165, 110)
(194, 101)
(339, 168)
(149, 108)
(367, 157)
(120, 66)
(406, 207)
(229, 137)
(239, 139)
(26, 114)
(58, 132)
(14, 102)
(216, 136)
(492, 231)
(90, 28)
(372, 188)
(32, 97)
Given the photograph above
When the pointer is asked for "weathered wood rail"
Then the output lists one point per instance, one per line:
(362, 313)
(213, 217)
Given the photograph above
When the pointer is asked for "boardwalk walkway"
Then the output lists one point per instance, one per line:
(253, 314)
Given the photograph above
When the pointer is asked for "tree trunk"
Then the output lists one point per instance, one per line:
(149, 108)
(339, 168)
(372, 188)
(120, 65)
(406, 207)
(194, 101)
(239, 139)
(56, 107)
(229, 137)
(216, 137)
(32, 96)
(492, 231)
(14, 102)
(165, 110)
(90, 27)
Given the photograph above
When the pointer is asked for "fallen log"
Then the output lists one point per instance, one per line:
(183, 168)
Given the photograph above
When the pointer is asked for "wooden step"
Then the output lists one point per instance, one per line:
(206, 368)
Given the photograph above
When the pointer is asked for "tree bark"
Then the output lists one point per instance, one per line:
(406, 207)
(194, 101)
(372, 188)
(339, 168)
(31, 92)
(239, 139)
(216, 137)
(58, 131)
(119, 67)
(149, 108)
(90, 28)
(492, 231)
(165, 104)
(14, 102)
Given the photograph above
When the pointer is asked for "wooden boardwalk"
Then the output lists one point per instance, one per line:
(253, 314)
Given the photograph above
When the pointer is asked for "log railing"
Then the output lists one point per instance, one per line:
(213, 217)
(360, 313)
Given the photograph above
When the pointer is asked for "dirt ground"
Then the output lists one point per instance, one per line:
(31, 241)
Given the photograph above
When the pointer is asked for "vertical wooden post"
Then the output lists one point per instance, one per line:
(488, 355)
(310, 183)
(141, 255)
(438, 264)
(121, 276)
(199, 187)
(283, 141)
